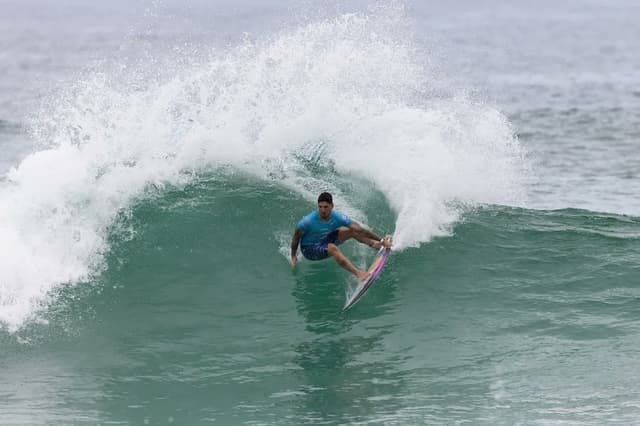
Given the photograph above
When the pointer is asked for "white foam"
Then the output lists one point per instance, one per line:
(346, 92)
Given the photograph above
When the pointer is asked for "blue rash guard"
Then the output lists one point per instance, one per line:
(317, 234)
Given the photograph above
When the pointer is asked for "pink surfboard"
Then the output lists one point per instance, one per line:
(375, 269)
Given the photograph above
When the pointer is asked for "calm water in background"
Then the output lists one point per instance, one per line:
(155, 158)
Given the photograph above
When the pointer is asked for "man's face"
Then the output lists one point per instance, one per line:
(324, 209)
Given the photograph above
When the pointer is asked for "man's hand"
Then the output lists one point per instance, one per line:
(294, 261)
(386, 241)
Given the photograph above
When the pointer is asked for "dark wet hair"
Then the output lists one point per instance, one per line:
(326, 197)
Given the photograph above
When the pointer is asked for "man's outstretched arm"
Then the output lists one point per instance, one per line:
(295, 242)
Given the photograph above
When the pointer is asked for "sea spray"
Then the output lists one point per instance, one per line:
(345, 96)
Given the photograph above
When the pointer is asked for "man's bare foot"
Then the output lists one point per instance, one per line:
(363, 276)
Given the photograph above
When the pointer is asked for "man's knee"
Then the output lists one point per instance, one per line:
(345, 233)
(334, 251)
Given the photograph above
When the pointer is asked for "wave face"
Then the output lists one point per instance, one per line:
(198, 306)
(144, 276)
(314, 108)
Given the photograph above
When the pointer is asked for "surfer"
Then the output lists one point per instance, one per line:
(323, 230)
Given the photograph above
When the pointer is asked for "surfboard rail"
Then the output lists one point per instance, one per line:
(375, 269)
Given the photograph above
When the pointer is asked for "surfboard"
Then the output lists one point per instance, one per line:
(375, 269)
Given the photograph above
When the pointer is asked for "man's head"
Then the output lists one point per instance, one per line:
(325, 205)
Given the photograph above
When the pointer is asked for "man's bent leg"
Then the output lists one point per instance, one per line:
(342, 260)
(361, 236)
(345, 233)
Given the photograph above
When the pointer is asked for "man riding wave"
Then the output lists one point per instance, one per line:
(321, 232)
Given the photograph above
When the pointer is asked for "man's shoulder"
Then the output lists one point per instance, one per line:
(309, 218)
(311, 215)
(341, 216)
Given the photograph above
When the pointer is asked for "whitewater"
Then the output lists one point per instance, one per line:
(351, 93)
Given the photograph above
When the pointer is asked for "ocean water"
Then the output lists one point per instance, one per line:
(156, 156)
